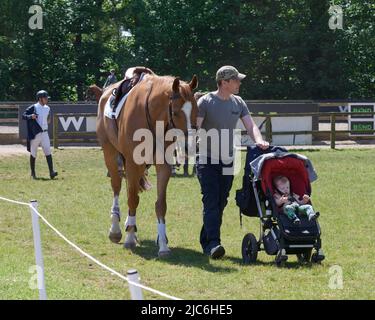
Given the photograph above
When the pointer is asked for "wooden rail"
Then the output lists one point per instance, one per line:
(8, 114)
(332, 115)
(72, 137)
(69, 137)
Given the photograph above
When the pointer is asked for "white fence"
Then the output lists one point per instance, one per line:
(133, 277)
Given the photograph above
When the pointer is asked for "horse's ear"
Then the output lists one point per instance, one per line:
(176, 85)
(194, 83)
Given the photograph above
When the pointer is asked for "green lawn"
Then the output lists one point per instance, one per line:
(78, 204)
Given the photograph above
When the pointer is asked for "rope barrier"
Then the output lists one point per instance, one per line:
(97, 262)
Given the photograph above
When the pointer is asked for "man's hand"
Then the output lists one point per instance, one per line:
(34, 116)
(264, 145)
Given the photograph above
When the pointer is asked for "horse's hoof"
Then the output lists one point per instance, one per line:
(115, 237)
(164, 253)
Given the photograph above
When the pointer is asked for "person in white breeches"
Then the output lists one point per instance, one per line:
(37, 117)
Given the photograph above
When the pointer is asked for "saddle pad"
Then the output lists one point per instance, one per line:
(108, 111)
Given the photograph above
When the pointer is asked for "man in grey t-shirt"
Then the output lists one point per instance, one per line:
(220, 120)
(219, 112)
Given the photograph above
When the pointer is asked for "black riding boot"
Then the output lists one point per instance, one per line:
(32, 167)
(186, 169)
(52, 173)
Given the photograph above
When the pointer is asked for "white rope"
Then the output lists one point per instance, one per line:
(15, 202)
(114, 272)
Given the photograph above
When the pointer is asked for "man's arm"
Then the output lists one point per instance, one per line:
(29, 113)
(254, 132)
(199, 122)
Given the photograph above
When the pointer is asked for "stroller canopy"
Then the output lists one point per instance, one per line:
(297, 168)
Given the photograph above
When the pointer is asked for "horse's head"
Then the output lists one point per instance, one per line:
(183, 109)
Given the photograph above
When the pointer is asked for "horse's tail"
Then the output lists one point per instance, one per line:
(144, 183)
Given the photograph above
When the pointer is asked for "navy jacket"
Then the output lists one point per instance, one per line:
(33, 127)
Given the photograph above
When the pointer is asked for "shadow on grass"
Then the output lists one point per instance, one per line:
(192, 258)
(288, 265)
(304, 150)
(315, 150)
(45, 179)
(180, 256)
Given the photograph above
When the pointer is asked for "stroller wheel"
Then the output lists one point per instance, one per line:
(249, 249)
(304, 257)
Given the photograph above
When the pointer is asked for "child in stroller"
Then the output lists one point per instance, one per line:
(290, 202)
(279, 235)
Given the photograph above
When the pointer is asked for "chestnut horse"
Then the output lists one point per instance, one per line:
(156, 98)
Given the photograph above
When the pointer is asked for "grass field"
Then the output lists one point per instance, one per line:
(78, 204)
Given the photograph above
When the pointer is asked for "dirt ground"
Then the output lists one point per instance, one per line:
(12, 150)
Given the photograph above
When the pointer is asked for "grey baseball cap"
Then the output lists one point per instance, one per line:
(229, 72)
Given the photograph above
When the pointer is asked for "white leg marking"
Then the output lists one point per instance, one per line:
(162, 240)
(130, 222)
(115, 216)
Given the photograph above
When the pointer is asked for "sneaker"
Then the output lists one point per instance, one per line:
(297, 221)
(217, 252)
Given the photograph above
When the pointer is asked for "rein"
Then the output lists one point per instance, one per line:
(171, 124)
(173, 97)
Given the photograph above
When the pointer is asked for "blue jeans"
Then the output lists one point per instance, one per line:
(215, 188)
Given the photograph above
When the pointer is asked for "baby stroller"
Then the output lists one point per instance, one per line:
(278, 235)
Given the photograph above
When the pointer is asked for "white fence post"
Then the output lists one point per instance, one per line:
(38, 251)
(135, 292)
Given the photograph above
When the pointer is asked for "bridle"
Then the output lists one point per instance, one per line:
(175, 96)
(171, 124)
(171, 114)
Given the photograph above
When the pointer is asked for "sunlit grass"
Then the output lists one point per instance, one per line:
(78, 204)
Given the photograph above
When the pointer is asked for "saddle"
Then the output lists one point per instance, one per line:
(132, 77)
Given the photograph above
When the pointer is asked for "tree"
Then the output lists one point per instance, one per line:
(285, 47)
